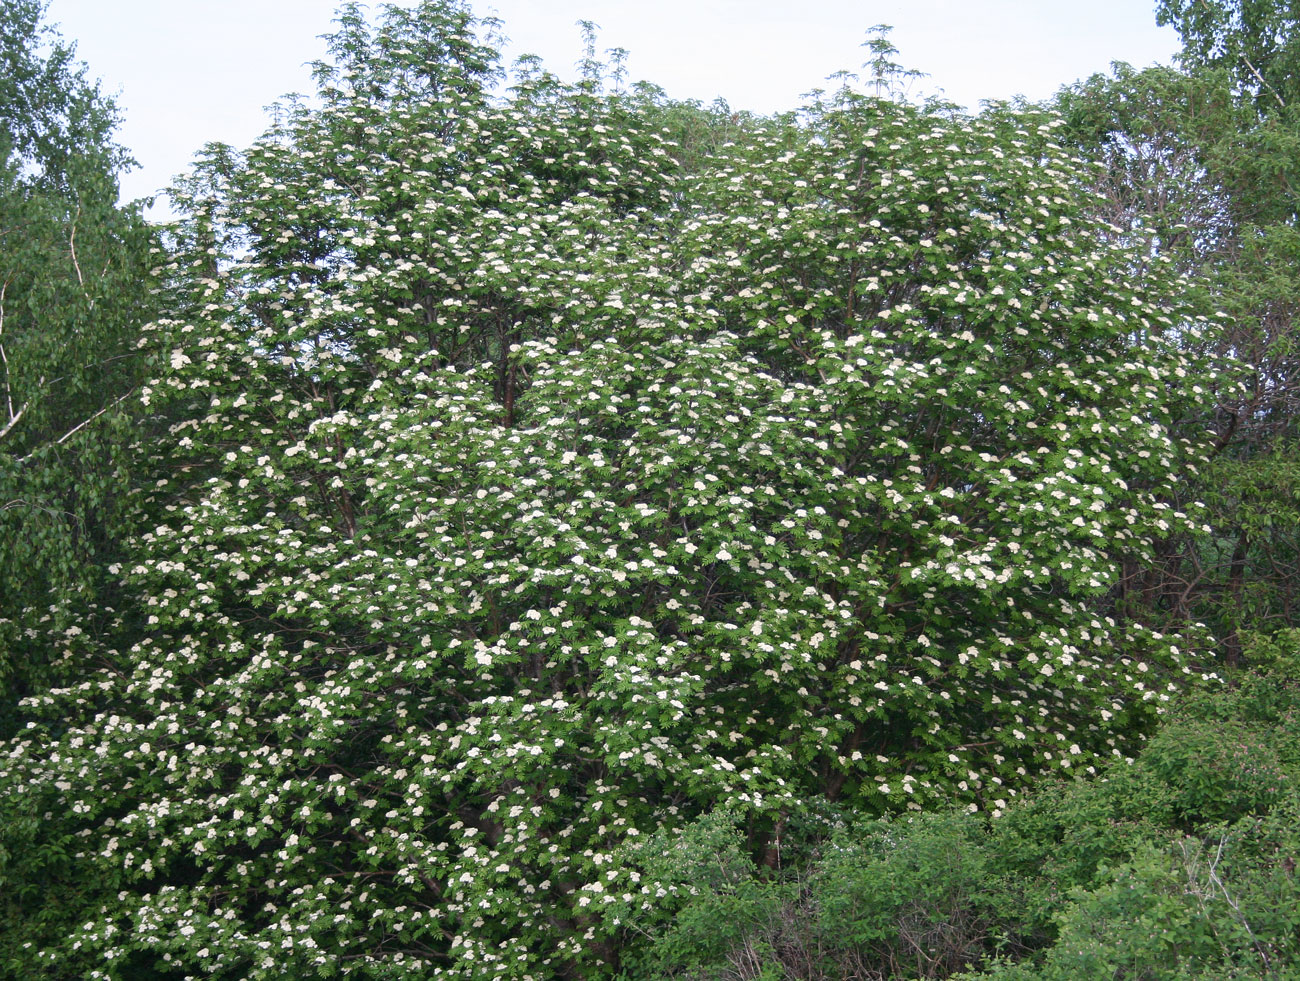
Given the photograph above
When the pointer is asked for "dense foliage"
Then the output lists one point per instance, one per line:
(1179, 866)
(1201, 166)
(582, 515)
(74, 292)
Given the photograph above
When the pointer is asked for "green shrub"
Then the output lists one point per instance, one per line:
(1179, 865)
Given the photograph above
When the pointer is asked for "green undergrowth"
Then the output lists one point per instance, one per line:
(1178, 865)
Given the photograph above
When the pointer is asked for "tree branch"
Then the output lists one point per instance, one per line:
(1255, 71)
(13, 419)
(79, 426)
(9, 393)
(72, 248)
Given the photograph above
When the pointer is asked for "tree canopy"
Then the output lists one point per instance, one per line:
(537, 484)
(1200, 165)
(74, 292)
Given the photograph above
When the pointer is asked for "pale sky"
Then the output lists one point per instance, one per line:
(187, 72)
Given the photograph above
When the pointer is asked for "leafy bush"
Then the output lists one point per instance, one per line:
(1113, 876)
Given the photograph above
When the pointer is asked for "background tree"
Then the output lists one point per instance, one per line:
(74, 292)
(1201, 167)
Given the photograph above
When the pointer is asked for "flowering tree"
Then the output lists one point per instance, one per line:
(533, 495)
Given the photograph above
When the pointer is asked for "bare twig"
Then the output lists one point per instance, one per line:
(1212, 874)
(1240, 916)
(18, 503)
(13, 416)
